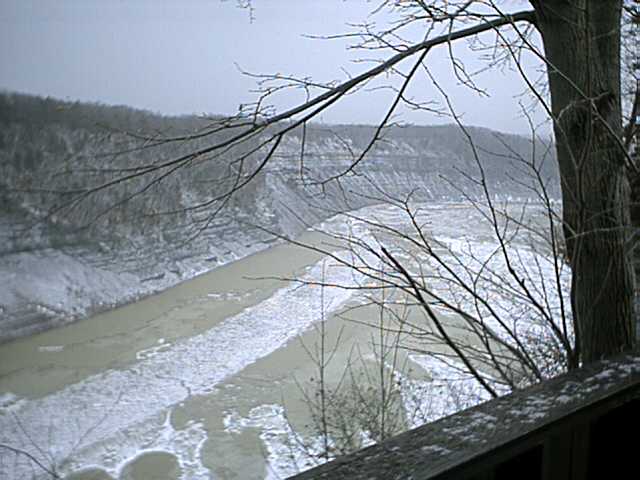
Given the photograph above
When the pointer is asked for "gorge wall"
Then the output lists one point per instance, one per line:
(74, 239)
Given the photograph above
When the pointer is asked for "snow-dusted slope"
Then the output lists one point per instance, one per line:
(58, 267)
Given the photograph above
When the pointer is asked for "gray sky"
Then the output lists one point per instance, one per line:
(180, 56)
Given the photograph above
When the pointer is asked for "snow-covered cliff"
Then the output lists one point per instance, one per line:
(133, 238)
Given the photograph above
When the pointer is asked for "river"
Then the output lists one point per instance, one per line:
(206, 379)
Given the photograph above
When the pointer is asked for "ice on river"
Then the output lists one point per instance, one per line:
(110, 418)
(106, 418)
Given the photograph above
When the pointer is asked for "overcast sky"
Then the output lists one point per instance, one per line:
(181, 56)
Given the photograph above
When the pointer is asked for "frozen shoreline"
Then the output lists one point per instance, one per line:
(50, 288)
(136, 398)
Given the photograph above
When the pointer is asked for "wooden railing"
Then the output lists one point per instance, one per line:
(581, 425)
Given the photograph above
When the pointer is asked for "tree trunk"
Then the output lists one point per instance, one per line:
(582, 45)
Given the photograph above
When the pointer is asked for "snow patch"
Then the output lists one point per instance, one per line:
(56, 284)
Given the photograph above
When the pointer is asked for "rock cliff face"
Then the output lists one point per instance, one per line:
(74, 239)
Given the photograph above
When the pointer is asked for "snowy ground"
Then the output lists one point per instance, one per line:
(45, 288)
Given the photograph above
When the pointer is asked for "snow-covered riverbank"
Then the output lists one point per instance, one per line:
(49, 287)
(207, 379)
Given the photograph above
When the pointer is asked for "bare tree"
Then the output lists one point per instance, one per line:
(497, 310)
(580, 49)
(510, 297)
